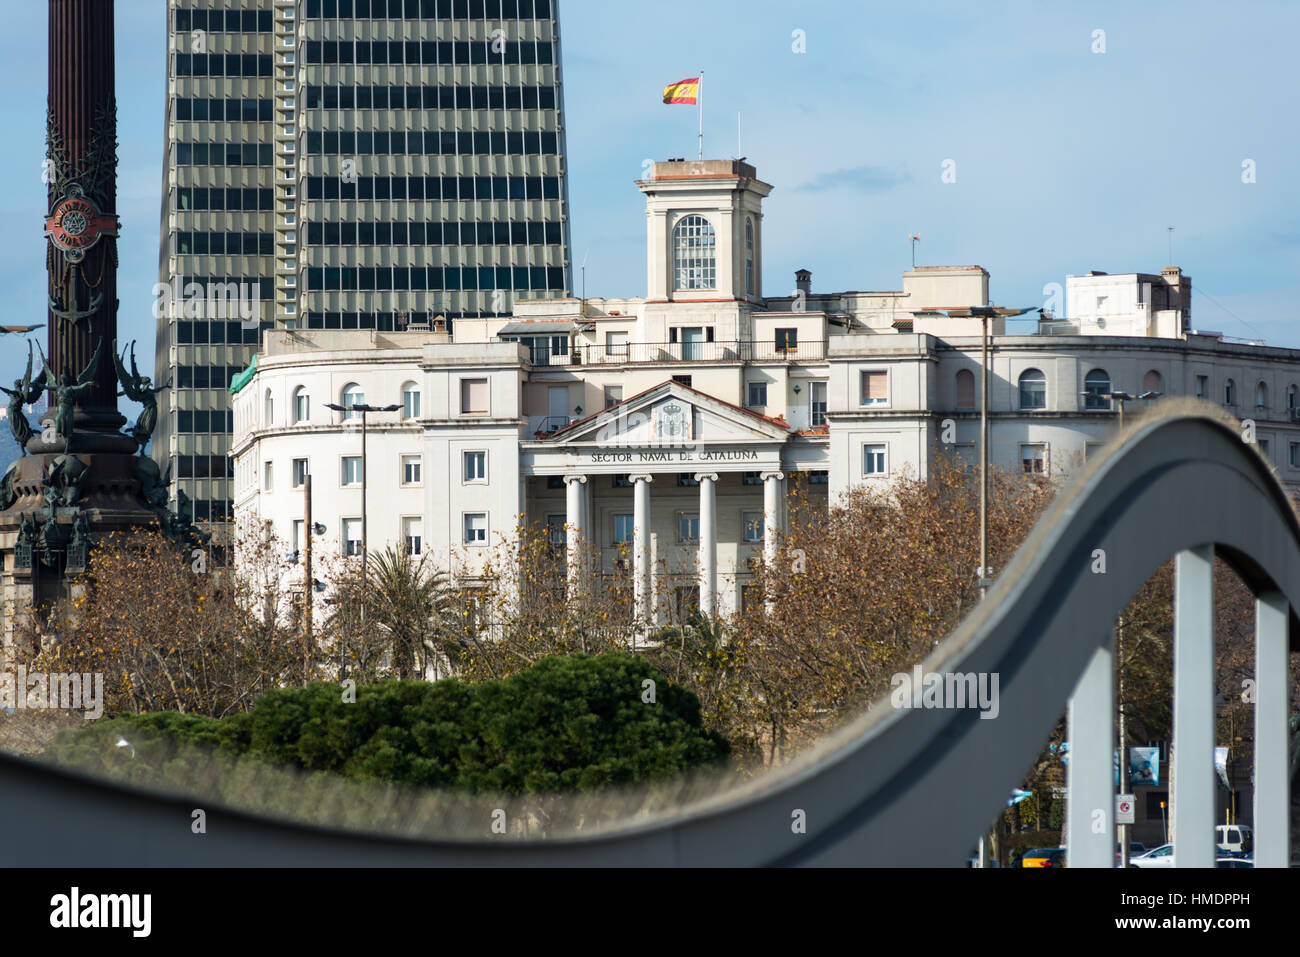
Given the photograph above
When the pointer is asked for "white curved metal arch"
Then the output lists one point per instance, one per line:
(895, 787)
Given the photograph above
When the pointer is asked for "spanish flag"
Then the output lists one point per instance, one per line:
(683, 91)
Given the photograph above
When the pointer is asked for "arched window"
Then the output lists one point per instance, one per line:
(695, 258)
(1097, 384)
(270, 408)
(352, 395)
(1229, 392)
(301, 404)
(965, 389)
(1151, 382)
(410, 401)
(749, 255)
(1292, 394)
(1261, 395)
(1033, 389)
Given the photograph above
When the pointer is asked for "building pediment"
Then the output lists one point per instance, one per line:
(672, 415)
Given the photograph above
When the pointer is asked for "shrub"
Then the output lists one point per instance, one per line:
(570, 723)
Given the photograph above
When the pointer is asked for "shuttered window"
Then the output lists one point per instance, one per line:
(875, 388)
(474, 396)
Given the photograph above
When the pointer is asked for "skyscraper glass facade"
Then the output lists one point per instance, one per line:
(346, 164)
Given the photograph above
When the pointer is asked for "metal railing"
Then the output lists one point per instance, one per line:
(723, 351)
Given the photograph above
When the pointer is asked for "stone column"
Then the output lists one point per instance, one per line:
(641, 544)
(773, 487)
(708, 560)
(575, 532)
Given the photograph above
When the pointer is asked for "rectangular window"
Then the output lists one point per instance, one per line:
(266, 477)
(411, 404)
(352, 537)
(687, 480)
(555, 529)
(299, 473)
(623, 529)
(621, 481)
(351, 470)
(412, 469)
(297, 541)
(751, 599)
(1202, 386)
(413, 536)
(752, 478)
(873, 460)
(1263, 447)
(613, 395)
(757, 395)
(1033, 459)
(752, 525)
(817, 392)
(1294, 455)
(476, 528)
(787, 340)
(475, 466)
(688, 527)
(616, 343)
(474, 396)
(875, 388)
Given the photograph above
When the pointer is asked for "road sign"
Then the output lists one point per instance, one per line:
(1124, 809)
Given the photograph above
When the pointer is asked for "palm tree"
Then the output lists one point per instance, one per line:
(410, 603)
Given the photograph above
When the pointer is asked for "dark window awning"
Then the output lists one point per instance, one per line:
(559, 327)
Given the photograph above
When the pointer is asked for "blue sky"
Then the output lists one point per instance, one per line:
(1066, 160)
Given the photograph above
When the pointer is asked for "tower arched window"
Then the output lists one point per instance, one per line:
(301, 404)
(1261, 395)
(1097, 384)
(410, 401)
(695, 254)
(1033, 389)
(965, 389)
(352, 396)
(1292, 397)
(270, 408)
(1151, 382)
(1229, 392)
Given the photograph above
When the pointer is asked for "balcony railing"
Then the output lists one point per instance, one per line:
(733, 351)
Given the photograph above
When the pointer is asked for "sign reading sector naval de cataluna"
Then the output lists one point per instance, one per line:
(666, 456)
(77, 224)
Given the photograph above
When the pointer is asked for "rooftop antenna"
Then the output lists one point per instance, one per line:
(739, 152)
(584, 281)
(1171, 245)
(914, 239)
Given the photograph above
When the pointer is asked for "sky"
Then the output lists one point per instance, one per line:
(1072, 149)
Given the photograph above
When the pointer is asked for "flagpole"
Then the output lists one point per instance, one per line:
(699, 98)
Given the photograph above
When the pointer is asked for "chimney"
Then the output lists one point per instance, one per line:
(803, 282)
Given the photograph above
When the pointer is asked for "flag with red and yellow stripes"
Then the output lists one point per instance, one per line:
(683, 91)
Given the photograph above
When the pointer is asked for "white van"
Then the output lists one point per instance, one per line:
(1234, 838)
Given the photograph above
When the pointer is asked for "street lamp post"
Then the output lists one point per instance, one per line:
(1121, 398)
(365, 541)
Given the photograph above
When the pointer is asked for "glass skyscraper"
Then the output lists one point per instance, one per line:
(346, 164)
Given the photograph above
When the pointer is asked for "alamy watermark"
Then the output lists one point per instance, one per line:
(947, 690)
(33, 690)
(215, 300)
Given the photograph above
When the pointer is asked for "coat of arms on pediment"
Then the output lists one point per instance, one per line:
(672, 422)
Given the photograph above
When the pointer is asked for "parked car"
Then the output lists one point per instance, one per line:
(1234, 839)
(1234, 862)
(1162, 856)
(1135, 849)
(1044, 857)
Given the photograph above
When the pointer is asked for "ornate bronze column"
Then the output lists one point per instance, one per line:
(82, 226)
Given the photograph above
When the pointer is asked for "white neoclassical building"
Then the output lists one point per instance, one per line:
(668, 431)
